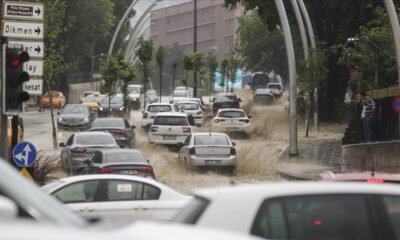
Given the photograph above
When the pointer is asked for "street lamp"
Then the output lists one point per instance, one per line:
(93, 58)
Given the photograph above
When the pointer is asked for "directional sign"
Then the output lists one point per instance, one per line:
(29, 30)
(34, 49)
(24, 154)
(28, 11)
(34, 67)
(34, 87)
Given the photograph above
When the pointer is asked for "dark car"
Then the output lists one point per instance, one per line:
(120, 161)
(263, 96)
(120, 128)
(115, 107)
(75, 116)
(225, 101)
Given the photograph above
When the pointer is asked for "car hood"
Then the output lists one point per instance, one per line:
(73, 115)
(133, 95)
(118, 105)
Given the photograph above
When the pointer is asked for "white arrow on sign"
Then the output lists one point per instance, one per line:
(25, 157)
(34, 49)
(29, 11)
(22, 30)
(34, 67)
(34, 87)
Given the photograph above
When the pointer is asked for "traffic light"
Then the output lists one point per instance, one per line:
(15, 77)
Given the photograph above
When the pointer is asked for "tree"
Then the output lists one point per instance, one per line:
(188, 66)
(110, 72)
(234, 64)
(160, 63)
(212, 66)
(197, 60)
(223, 68)
(145, 51)
(126, 73)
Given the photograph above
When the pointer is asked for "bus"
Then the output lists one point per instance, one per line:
(259, 80)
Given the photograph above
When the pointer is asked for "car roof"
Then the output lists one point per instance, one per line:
(107, 176)
(359, 176)
(209, 133)
(179, 114)
(92, 133)
(162, 103)
(230, 110)
(187, 101)
(134, 85)
(226, 94)
(109, 118)
(120, 150)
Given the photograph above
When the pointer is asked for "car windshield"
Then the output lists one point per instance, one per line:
(159, 108)
(180, 94)
(275, 86)
(171, 121)
(92, 98)
(114, 100)
(151, 92)
(211, 140)
(134, 90)
(232, 114)
(76, 109)
(108, 122)
(51, 185)
(225, 99)
(187, 106)
(124, 157)
(90, 140)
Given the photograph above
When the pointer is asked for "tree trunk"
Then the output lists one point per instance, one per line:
(160, 82)
(54, 131)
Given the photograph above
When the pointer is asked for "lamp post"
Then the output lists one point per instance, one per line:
(93, 58)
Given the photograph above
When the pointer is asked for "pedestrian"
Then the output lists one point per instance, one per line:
(368, 117)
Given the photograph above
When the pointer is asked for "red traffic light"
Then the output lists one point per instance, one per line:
(19, 59)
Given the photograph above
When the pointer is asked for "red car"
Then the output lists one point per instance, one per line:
(363, 176)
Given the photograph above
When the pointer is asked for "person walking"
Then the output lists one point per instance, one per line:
(367, 117)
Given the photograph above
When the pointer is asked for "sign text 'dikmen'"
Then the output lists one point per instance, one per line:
(23, 30)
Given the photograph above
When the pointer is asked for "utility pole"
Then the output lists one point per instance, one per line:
(194, 45)
(3, 117)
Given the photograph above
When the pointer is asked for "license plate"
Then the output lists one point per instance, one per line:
(128, 172)
(169, 137)
(212, 162)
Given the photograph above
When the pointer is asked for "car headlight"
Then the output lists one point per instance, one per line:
(122, 108)
(100, 108)
(60, 120)
(86, 120)
(135, 99)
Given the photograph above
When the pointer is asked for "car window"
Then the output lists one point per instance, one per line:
(231, 114)
(70, 140)
(114, 100)
(151, 192)
(76, 109)
(187, 140)
(95, 140)
(127, 125)
(187, 106)
(118, 190)
(78, 192)
(171, 121)
(134, 90)
(159, 108)
(97, 157)
(129, 157)
(314, 217)
(180, 94)
(211, 140)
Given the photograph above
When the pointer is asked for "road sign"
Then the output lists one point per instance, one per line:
(34, 87)
(34, 68)
(24, 154)
(29, 30)
(28, 11)
(396, 104)
(34, 49)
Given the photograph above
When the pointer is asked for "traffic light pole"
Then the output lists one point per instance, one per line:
(3, 118)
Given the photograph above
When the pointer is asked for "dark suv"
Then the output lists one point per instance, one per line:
(225, 101)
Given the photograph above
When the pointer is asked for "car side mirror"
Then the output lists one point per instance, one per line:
(62, 144)
(8, 208)
(233, 144)
(87, 161)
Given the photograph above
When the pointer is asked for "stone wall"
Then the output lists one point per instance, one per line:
(75, 90)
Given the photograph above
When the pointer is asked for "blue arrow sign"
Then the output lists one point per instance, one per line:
(24, 154)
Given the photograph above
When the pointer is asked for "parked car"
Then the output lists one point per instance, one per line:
(231, 120)
(276, 89)
(20, 134)
(151, 96)
(81, 146)
(58, 100)
(191, 108)
(263, 96)
(135, 94)
(122, 131)
(208, 150)
(303, 210)
(93, 101)
(151, 110)
(120, 161)
(117, 196)
(171, 128)
(359, 176)
(75, 116)
(117, 109)
(225, 100)
(88, 93)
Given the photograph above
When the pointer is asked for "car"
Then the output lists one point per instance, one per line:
(151, 110)
(301, 210)
(203, 106)
(9, 132)
(58, 100)
(135, 94)
(80, 146)
(263, 96)
(75, 116)
(179, 95)
(276, 88)
(225, 100)
(208, 150)
(151, 96)
(88, 93)
(171, 128)
(122, 131)
(93, 101)
(114, 107)
(359, 176)
(231, 120)
(180, 88)
(192, 108)
(120, 161)
(116, 196)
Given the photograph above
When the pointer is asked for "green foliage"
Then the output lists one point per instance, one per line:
(145, 52)
(234, 64)
(197, 60)
(212, 66)
(188, 66)
(223, 68)
(126, 73)
(160, 62)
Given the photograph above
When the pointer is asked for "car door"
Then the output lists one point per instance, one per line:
(130, 131)
(81, 197)
(124, 199)
(65, 150)
(183, 151)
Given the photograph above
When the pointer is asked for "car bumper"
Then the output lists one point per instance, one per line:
(212, 162)
(159, 139)
(232, 128)
(73, 126)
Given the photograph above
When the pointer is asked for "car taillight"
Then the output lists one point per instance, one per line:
(146, 169)
(233, 151)
(120, 132)
(145, 115)
(217, 120)
(186, 129)
(199, 113)
(108, 170)
(375, 180)
(78, 150)
(244, 120)
(192, 151)
(154, 129)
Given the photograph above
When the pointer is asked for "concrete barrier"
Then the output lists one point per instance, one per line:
(384, 156)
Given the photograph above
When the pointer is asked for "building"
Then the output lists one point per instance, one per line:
(216, 26)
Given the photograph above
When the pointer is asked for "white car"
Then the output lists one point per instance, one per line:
(192, 108)
(179, 95)
(302, 210)
(231, 120)
(118, 196)
(209, 150)
(135, 95)
(151, 111)
(276, 89)
(171, 128)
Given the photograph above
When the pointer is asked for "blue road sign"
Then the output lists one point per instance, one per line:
(24, 154)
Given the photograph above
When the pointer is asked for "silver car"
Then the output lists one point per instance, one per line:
(208, 149)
